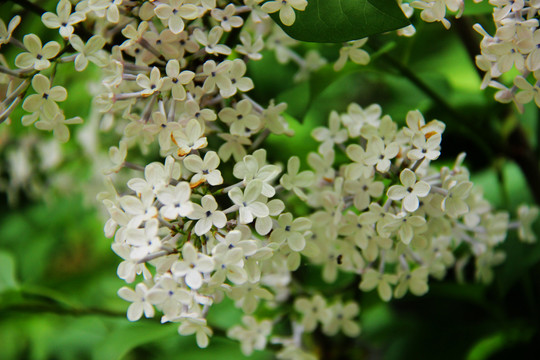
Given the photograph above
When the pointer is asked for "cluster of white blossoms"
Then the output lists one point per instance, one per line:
(214, 219)
(514, 46)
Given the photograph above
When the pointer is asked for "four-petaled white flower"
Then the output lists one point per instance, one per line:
(204, 170)
(247, 203)
(38, 56)
(176, 201)
(208, 215)
(286, 9)
(410, 191)
(192, 266)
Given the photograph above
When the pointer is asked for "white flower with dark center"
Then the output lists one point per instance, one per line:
(176, 79)
(176, 201)
(204, 170)
(425, 148)
(46, 96)
(37, 56)
(139, 301)
(207, 215)
(210, 41)
(255, 167)
(141, 209)
(156, 178)
(405, 226)
(241, 119)
(410, 191)
(249, 207)
(190, 138)
(314, 310)
(169, 296)
(150, 84)
(192, 266)
(144, 241)
(286, 9)
(227, 18)
(342, 318)
(291, 231)
(108, 8)
(64, 20)
(380, 155)
(359, 167)
(174, 13)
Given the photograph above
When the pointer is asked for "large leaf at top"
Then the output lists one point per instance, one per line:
(344, 20)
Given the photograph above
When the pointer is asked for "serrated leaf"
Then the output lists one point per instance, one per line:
(328, 21)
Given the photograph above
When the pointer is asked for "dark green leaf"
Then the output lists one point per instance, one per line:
(344, 20)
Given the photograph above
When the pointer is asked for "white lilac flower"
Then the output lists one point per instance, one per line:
(342, 318)
(189, 138)
(38, 56)
(295, 180)
(64, 20)
(169, 296)
(380, 155)
(454, 203)
(192, 266)
(313, 311)
(91, 51)
(249, 207)
(334, 134)
(255, 167)
(178, 79)
(207, 215)
(527, 216)
(253, 336)
(46, 97)
(227, 18)
(176, 201)
(106, 8)
(204, 170)
(286, 9)
(193, 324)
(144, 241)
(151, 84)
(410, 191)
(372, 279)
(241, 119)
(58, 125)
(174, 13)
(415, 281)
(249, 48)
(5, 33)
(210, 41)
(352, 50)
(140, 303)
(291, 231)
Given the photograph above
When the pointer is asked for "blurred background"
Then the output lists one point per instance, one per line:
(58, 278)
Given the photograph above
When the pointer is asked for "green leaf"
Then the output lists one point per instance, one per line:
(344, 20)
(7, 272)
